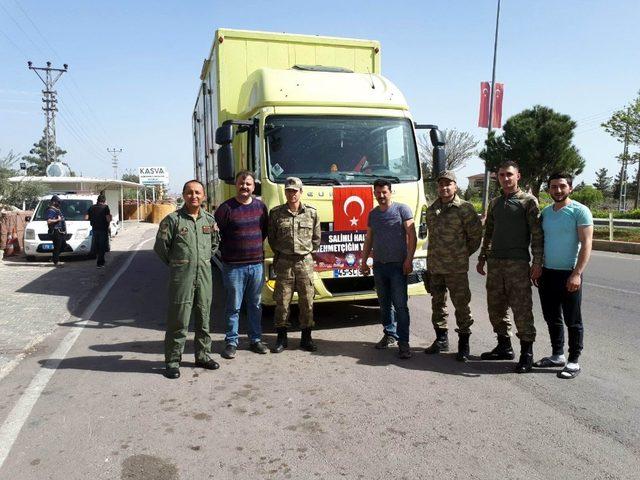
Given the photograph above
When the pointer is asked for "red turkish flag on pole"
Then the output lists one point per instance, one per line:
(498, 93)
(351, 207)
(483, 118)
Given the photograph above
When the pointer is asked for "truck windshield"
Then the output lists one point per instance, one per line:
(71, 209)
(340, 150)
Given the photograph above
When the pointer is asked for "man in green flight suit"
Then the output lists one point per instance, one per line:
(294, 232)
(186, 241)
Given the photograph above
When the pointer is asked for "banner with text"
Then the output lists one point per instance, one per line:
(340, 250)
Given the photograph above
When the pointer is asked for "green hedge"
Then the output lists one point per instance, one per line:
(631, 214)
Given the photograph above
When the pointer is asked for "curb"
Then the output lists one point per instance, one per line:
(613, 246)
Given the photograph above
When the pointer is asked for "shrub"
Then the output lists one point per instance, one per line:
(588, 196)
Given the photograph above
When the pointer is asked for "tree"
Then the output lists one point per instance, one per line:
(129, 176)
(459, 147)
(37, 158)
(624, 126)
(580, 186)
(603, 182)
(540, 141)
(16, 193)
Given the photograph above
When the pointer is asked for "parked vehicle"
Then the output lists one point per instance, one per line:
(74, 206)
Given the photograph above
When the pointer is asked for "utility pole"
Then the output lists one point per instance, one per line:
(114, 160)
(622, 200)
(49, 78)
(487, 176)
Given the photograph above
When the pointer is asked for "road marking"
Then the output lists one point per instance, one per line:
(17, 417)
(630, 292)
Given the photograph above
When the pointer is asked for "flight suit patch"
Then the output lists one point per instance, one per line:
(184, 231)
(206, 229)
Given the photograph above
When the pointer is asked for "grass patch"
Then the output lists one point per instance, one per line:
(619, 234)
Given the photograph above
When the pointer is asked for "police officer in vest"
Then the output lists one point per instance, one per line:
(294, 232)
(186, 241)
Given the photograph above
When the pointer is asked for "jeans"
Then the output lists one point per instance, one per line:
(391, 287)
(560, 307)
(243, 285)
(100, 245)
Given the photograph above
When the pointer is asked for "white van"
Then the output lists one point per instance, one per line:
(74, 206)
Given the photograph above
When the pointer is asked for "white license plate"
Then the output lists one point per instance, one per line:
(47, 246)
(346, 272)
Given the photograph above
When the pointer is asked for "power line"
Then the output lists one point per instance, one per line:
(114, 161)
(91, 118)
(51, 76)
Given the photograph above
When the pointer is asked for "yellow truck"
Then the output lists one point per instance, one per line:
(319, 109)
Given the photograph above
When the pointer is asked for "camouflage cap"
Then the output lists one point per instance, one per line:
(449, 175)
(293, 183)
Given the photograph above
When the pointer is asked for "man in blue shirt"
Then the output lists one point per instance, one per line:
(568, 232)
(392, 235)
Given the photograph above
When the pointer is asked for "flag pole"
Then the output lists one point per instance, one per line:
(487, 178)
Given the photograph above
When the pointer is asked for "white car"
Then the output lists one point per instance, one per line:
(37, 242)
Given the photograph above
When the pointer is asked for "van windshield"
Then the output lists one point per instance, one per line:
(71, 209)
(340, 149)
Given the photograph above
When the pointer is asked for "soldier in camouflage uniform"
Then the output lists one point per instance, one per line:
(294, 232)
(186, 241)
(455, 232)
(512, 225)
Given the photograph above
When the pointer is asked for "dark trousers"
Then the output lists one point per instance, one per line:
(100, 245)
(59, 243)
(560, 307)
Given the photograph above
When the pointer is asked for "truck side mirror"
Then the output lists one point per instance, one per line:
(224, 134)
(225, 161)
(438, 156)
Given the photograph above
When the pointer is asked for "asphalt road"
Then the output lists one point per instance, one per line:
(91, 402)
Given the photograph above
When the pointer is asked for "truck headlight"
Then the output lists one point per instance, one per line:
(29, 234)
(419, 264)
(82, 233)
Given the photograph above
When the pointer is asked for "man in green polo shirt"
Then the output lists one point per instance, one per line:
(511, 227)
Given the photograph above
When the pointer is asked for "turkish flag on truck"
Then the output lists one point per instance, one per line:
(498, 93)
(483, 118)
(351, 207)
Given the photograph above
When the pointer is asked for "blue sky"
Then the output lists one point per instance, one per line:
(134, 66)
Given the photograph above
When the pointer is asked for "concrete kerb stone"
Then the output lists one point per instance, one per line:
(615, 246)
(31, 310)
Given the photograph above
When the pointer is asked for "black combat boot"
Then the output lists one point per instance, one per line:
(281, 341)
(463, 347)
(525, 364)
(440, 344)
(306, 342)
(503, 351)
